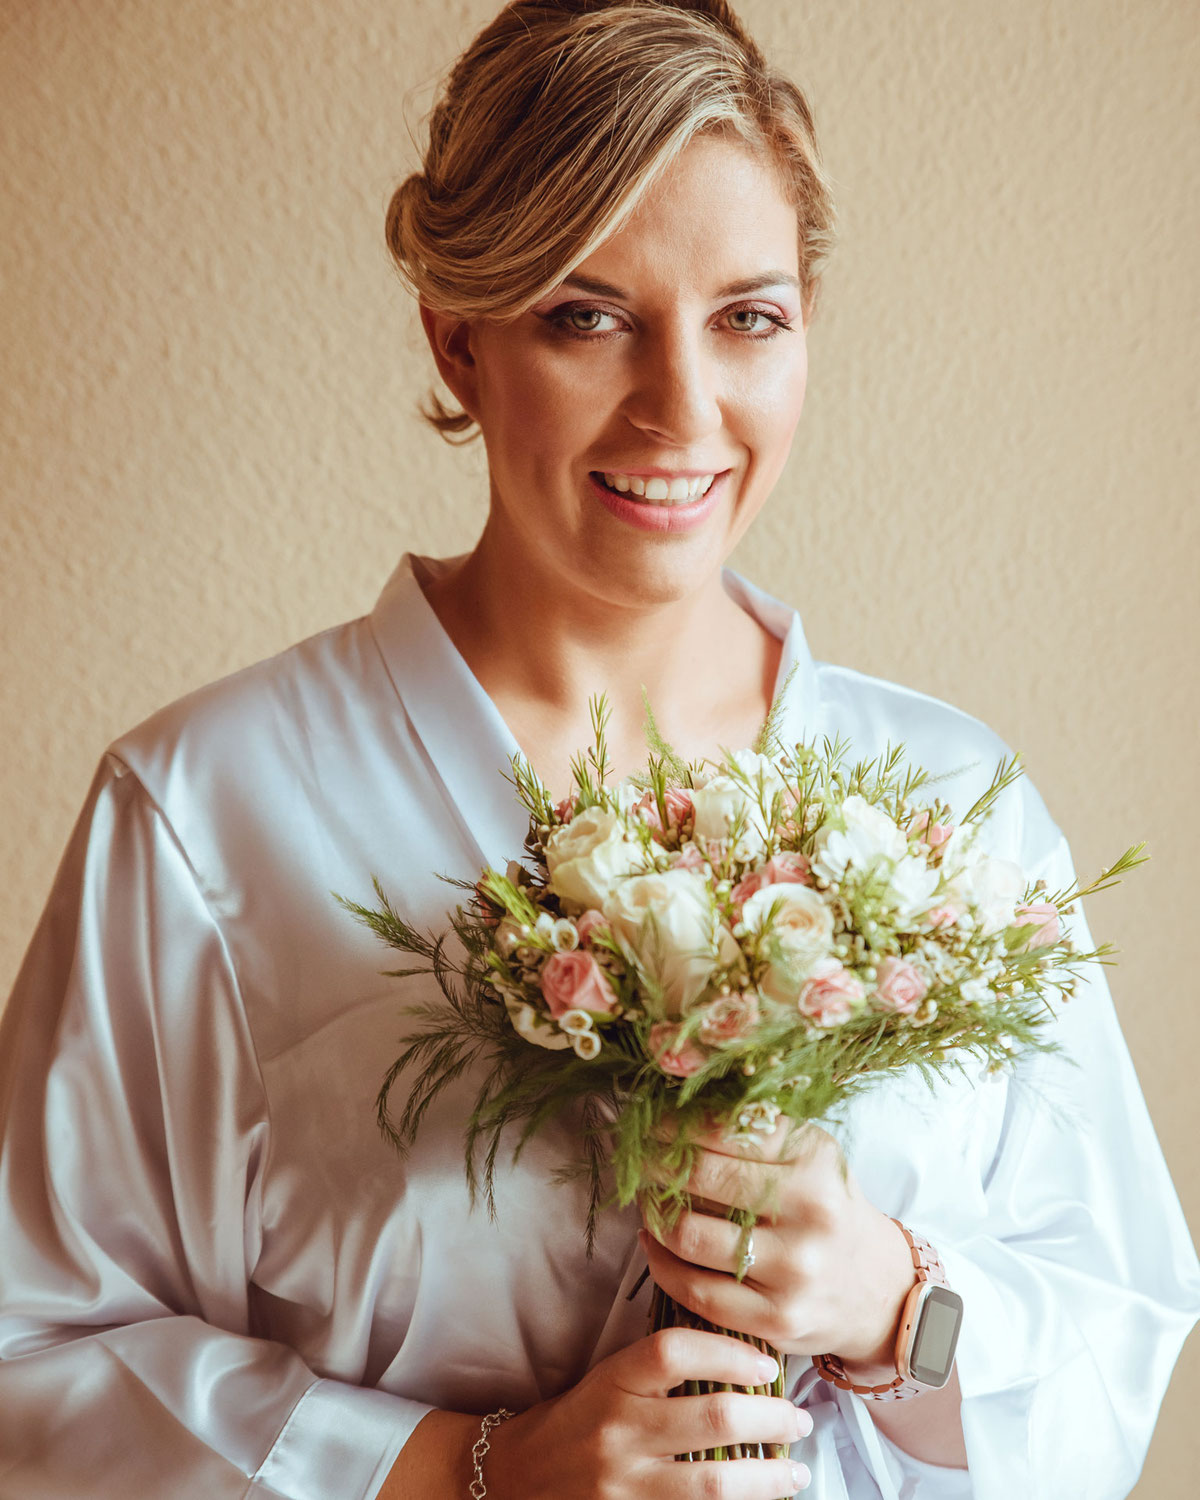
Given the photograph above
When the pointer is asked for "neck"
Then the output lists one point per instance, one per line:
(541, 648)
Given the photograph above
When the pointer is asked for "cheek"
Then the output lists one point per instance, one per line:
(770, 401)
(539, 411)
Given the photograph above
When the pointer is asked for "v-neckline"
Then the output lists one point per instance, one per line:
(470, 745)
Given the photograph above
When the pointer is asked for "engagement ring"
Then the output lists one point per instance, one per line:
(747, 1259)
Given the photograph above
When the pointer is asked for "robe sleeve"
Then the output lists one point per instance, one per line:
(135, 1131)
(1080, 1283)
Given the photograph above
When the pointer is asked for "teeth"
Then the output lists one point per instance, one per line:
(678, 491)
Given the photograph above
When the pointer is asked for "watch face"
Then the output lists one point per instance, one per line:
(931, 1352)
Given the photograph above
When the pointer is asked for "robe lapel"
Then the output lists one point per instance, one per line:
(469, 745)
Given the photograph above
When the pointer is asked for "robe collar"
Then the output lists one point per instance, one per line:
(469, 745)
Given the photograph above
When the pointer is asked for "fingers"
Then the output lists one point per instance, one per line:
(789, 1141)
(718, 1244)
(700, 1423)
(656, 1365)
(736, 1182)
(712, 1295)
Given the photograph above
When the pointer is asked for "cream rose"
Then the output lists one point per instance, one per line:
(797, 927)
(866, 836)
(992, 887)
(724, 804)
(666, 923)
(588, 855)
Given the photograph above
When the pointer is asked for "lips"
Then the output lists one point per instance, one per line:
(664, 515)
(658, 489)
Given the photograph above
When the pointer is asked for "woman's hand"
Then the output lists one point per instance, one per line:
(614, 1436)
(830, 1273)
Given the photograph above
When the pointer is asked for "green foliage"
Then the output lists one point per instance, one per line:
(637, 1124)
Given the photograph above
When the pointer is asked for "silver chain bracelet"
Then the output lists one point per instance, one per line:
(480, 1451)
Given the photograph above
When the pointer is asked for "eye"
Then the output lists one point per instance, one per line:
(585, 319)
(581, 321)
(758, 322)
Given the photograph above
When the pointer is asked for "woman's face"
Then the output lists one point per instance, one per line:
(637, 418)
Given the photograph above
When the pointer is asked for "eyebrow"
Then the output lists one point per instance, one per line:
(734, 289)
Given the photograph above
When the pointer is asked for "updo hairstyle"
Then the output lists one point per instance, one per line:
(551, 127)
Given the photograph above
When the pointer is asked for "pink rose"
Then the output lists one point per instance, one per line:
(786, 868)
(647, 811)
(829, 995)
(789, 868)
(899, 986)
(728, 1018)
(564, 811)
(575, 981)
(942, 916)
(589, 923)
(749, 885)
(1043, 917)
(680, 1061)
(679, 806)
(932, 835)
(690, 859)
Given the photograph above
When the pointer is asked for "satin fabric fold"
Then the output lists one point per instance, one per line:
(217, 1279)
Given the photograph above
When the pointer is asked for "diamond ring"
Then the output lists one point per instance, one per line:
(747, 1256)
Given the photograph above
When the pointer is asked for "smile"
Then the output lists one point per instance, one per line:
(666, 503)
(659, 490)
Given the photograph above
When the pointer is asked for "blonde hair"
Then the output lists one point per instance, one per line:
(551, 127)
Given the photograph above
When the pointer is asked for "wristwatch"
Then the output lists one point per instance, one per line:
(927, 1337)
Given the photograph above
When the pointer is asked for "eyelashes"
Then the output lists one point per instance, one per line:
(562, 321)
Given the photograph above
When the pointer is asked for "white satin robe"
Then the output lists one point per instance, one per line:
(217, 1282)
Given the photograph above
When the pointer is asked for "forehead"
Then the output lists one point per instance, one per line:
(717, 215)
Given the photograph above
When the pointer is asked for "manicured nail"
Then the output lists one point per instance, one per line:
(767, 1370)
(800, 1477)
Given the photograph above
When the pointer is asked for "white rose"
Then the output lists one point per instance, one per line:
(993, 886)
(761, 771)
(912, 884)
(588, 855)
(668, 925)
(535, 1027)
(720, 805)
(868, 835)
(800, 934)
(627, 794)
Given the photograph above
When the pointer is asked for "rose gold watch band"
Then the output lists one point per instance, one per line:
(927, 1266)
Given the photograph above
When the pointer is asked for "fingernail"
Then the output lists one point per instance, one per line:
(800, 1477)
(768, 1370)
(804, 1422)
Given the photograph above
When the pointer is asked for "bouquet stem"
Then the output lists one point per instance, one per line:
(665, 1312)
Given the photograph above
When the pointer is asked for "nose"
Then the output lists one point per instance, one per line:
(675, 394)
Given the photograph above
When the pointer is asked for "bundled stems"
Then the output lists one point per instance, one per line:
(665, 1312)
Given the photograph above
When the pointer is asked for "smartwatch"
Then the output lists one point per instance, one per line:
(927, 1336)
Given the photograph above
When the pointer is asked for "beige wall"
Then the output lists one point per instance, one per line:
(207, 379)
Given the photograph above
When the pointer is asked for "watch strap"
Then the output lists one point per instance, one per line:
(927, 1266)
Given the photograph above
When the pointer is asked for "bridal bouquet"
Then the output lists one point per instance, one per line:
(739, 943)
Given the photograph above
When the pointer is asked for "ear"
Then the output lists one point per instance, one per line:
(450, 340)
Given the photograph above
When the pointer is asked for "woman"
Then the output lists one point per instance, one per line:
(217, 1279)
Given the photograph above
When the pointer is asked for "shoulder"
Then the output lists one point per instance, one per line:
(959, 751)
(265, 723)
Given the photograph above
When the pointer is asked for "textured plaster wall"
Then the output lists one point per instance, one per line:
(208, 374)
